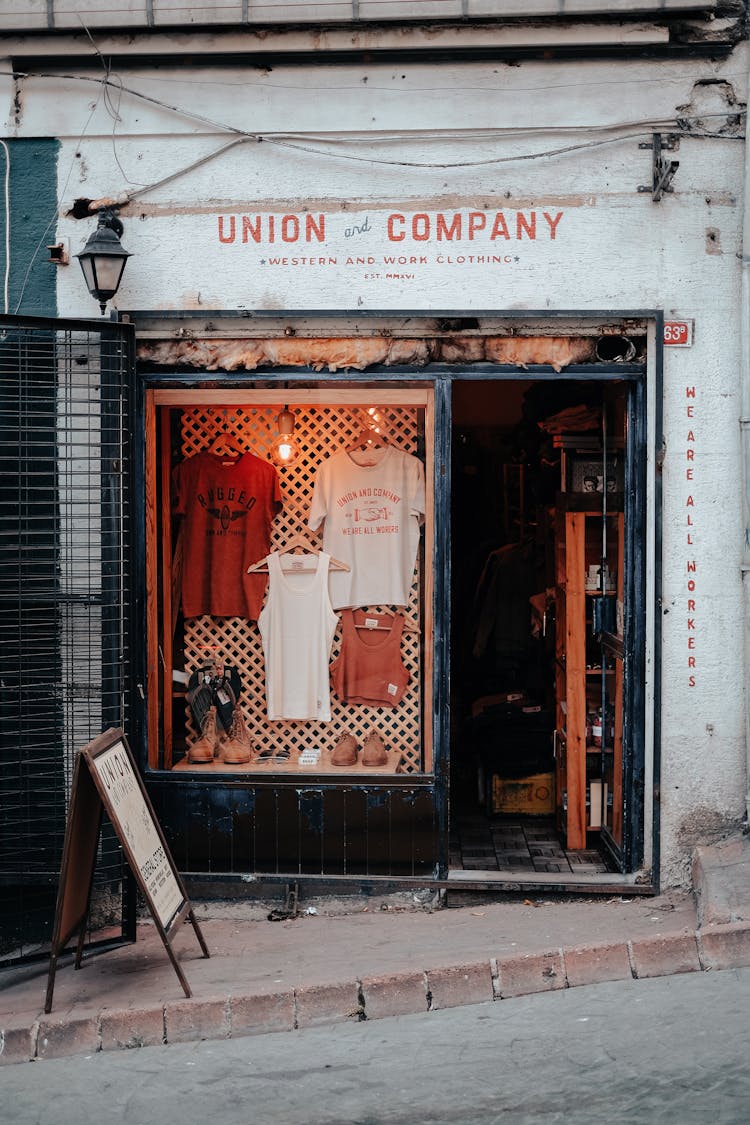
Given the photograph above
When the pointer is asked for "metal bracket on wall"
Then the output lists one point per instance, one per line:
(662, 170)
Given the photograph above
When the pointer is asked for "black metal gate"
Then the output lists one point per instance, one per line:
(65, 603)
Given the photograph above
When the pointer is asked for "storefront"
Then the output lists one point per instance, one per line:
(483, 720)
(504, 256)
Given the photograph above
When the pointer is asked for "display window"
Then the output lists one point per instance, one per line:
(289, 576)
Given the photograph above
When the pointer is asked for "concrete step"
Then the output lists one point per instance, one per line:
(721, 881)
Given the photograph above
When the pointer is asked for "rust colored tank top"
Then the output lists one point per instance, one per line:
(369, 668)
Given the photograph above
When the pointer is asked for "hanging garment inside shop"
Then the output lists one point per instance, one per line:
(296, 626)
(371, 504)
(370, 668)
(228, 505)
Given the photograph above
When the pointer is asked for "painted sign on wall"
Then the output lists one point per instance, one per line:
(495, 228)
(392, 245)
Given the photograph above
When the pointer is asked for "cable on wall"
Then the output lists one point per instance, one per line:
(6, 281)
(676, 124)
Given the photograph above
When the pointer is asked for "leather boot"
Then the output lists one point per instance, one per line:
(203, 750)
(238, 748)
(374, 752)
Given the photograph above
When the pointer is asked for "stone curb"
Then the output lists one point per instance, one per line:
(717, 947)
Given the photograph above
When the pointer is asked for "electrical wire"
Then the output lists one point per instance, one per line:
(269, 82)
(280, 139)
(6, 281)
(112, 109)
(128, 197)
(517, 157)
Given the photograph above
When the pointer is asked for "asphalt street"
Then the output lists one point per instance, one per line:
(670, 1049)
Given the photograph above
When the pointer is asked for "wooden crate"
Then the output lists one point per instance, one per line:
(534, 794)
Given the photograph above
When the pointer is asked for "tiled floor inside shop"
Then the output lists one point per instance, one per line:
(505, 843)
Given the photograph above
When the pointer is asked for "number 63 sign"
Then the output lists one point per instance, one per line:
(679, 333)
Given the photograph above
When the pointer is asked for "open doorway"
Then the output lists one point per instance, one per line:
(539, 596)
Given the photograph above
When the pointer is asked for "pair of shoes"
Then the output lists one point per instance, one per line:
(271, 754)
(204, 749)
(214, 684)
(346, 749)
(238, 748)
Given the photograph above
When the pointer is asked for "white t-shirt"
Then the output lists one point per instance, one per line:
(296, 627)
(372, 515)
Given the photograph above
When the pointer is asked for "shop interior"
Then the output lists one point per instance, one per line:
(537, 621)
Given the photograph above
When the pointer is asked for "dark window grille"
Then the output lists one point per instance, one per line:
(64, 605)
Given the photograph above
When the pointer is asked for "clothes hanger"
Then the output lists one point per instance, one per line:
(225, 444)
(410, 625)
(370, 435)
(295, 542)
(368, 438)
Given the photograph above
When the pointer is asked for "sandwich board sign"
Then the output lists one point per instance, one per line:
(106, 779)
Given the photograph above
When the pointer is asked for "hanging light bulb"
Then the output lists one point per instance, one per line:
(285, 449)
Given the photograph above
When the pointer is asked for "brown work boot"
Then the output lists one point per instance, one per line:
(374, 752)
(238, 748)
(344, 752)
(202, 751)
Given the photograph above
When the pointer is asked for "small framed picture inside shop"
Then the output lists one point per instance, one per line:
(592, 474)
(290, 580)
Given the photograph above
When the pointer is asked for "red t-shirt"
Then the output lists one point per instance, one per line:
(228, 507)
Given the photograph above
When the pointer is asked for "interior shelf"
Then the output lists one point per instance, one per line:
(583, 691)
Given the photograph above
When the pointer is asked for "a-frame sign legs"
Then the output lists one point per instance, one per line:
(105, 778)
(77, 872)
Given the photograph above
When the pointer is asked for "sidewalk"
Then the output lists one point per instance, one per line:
(396, 957)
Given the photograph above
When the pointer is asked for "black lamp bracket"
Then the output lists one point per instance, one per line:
(109, 218)
(662, 170)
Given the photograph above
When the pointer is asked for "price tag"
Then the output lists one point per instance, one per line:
(679, 333)
(309, 757)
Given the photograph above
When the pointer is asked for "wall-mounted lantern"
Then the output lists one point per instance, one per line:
(103, 258)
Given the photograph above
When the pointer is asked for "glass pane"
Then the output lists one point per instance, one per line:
(232, 701)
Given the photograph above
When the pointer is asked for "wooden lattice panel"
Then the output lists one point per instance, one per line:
(319, 432)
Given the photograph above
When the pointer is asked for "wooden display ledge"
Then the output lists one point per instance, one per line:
(324, 766)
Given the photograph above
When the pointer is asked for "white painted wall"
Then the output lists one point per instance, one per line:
(555, 138)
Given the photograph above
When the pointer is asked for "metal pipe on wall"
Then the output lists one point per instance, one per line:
(745, 437)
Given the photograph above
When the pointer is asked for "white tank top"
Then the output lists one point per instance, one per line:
(296, 627)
